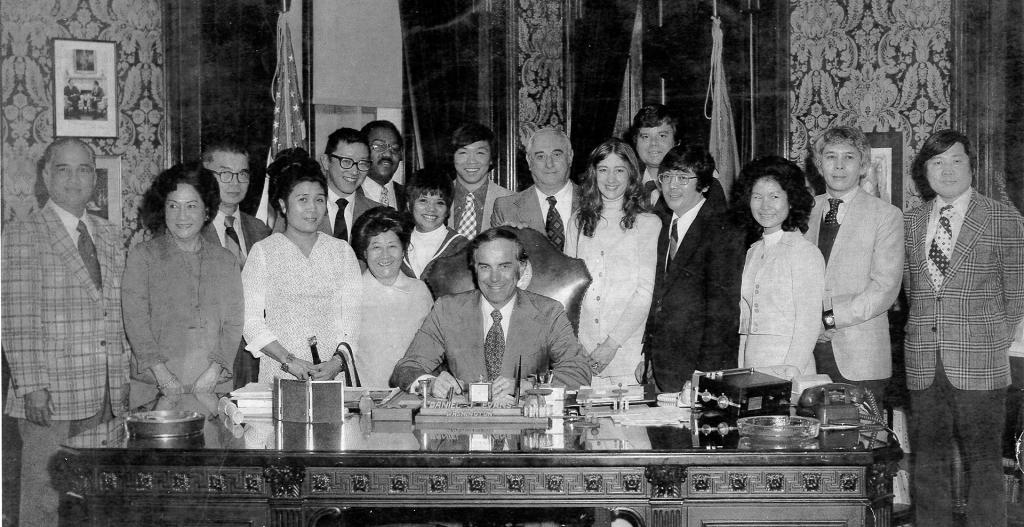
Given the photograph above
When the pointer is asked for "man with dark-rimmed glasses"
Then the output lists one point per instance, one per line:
(345, 162)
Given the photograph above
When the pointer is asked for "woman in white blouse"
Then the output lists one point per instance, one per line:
(300, 284)
(429, 195)
(618, 240)
(784, 274)
(394, 305)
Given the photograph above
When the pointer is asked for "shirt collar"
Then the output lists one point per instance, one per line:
(689, 215)
(562, 196)
(69, 221)
(845, 197)
(959, 204)
(372, 189)
(506, 311)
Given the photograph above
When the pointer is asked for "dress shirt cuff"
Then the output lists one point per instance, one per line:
(259, 341)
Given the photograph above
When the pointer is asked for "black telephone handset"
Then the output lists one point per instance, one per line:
(831, 394)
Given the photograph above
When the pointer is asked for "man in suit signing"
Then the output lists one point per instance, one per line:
(861, 238)
(964, 279)
(62, 329)
(546, 205)
(488, 332)
(474, 154)
(233, 229)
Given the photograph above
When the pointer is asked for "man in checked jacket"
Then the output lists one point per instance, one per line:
(62, 329)
(964, 279)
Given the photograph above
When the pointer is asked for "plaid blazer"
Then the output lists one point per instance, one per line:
(969, 320)
(59, 331)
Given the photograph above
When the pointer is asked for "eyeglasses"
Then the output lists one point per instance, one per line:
(348, 162)
(225, 176)
(380, 146)
(679, 178)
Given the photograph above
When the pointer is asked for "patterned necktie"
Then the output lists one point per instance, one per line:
(832, 216)
(494, 347)
(231, 242)
(384, 197)
(673, 242)
(941, 248)
(553, 225)
(88, 252)
(467, 221)
(340, 226)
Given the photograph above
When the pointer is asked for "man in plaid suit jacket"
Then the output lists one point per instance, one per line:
(964, 279)
(62, 328)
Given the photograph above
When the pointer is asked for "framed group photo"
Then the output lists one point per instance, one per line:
(85, 88)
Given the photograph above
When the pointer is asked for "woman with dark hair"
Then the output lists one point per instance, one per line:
(784, 274)
(429, 195)
(302, 287)
(394, 304)
(618, 239)
(181, 296)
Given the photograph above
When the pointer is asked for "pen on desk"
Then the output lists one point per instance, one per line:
(519, 380)
(313, 351)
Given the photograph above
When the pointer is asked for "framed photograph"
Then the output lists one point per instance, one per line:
(887, 165)
(85, 88)
(106, 198)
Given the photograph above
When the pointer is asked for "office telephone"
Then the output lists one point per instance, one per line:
(839, 403)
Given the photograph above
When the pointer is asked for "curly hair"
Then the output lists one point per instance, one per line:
(376, 221)
(789, 176)
(429, 182)
(193, 174)
(936, 144)
(291, 167)
(591, 201)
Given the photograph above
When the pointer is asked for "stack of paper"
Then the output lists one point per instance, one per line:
(254, 400)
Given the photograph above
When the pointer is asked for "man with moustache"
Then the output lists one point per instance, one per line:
(510, 325)
(964, 278)
(474, 155)
(652, 134)
(546, 205)
(233, 229)
(694, 319)
(345, 161)
(62, 328)
(861, 238)
(385, 155)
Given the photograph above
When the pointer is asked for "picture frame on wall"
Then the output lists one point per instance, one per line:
(886, 169)
(85, 88)
(106, 198)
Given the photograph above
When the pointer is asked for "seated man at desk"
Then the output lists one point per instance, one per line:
(487, 332)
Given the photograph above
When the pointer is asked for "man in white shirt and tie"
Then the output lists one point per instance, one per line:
(473, 156)
(547, 204)
(346, 162)
(233, 229)
(386, 148)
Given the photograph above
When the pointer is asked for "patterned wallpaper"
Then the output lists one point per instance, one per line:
(880, 65)
(26, 93)
(541, 86)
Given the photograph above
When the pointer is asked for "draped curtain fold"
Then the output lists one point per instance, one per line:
(599, 52)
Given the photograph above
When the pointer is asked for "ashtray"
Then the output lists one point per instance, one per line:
(164, 423)
(776, 427)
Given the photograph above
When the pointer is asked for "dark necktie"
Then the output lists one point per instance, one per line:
(494, 347)
(340, 226)
(88, 252)
(673, 242)
(941, 248)
(231, 241)
(832, 216)
(553, 225)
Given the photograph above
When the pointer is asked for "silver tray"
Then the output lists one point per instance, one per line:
(164, 423)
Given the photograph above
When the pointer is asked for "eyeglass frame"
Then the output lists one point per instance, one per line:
(354, 163)
(677, 176)
(380, 146)
(233, 176)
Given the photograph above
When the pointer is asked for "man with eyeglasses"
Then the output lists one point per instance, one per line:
(62, 328)
(233, 229)
(386, 149)
(694, 318)
(346, 162)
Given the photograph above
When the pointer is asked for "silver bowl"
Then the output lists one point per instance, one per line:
(164, 423)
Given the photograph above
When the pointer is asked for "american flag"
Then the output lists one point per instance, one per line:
(289, 127)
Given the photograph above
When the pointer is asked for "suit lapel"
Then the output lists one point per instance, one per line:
(521, 332)
(814, 224)
(106, 241)
(67, 251)
(975, 222)
(918, 230)
(529, 208)
(473, 331)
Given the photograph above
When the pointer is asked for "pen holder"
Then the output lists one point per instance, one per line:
(309, 401)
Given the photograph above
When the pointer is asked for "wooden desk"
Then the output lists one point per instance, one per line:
(361, 471)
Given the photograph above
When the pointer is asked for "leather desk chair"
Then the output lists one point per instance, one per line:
(554, 274)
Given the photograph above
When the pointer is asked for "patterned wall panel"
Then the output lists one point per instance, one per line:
(879, 65)
(26, 93)
(540, 57)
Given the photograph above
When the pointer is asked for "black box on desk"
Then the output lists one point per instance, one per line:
(742, 392)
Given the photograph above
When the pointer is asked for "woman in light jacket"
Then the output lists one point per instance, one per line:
(784, 274)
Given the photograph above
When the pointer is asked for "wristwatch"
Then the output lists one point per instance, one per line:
(828, 318)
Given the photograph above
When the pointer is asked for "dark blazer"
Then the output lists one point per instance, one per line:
(452, 244)
(253, 230)
(694, 319)
(523, 209)
(970, 319)
(453, 333)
